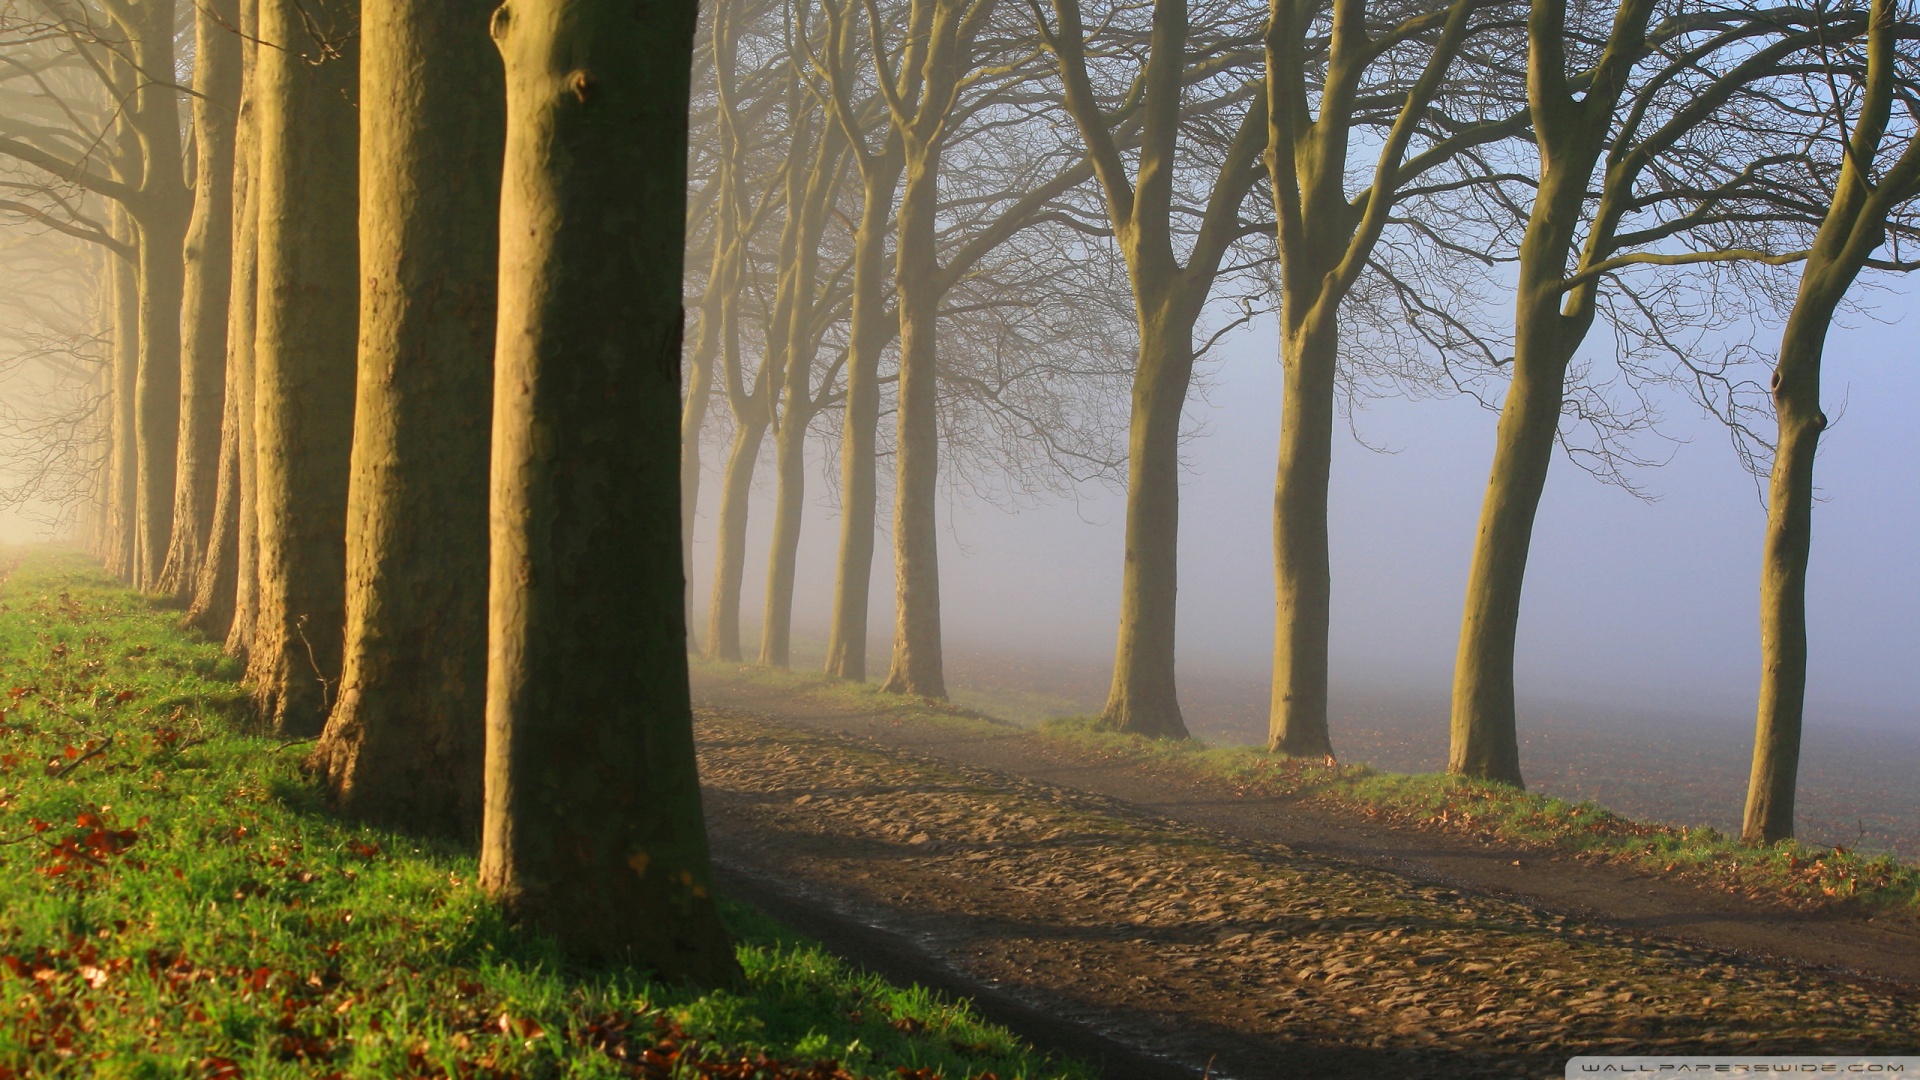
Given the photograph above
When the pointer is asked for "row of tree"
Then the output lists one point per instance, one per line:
(472, 600)
(1647, 165)
(415, 468)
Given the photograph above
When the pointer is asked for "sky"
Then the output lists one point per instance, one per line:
(1645, 605)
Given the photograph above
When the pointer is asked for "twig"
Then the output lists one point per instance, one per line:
(296, 742)
(326, 685)
(82, 759)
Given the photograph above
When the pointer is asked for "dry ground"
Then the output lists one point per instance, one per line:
(1202, 946)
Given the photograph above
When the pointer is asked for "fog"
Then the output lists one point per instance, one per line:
(1636, 609)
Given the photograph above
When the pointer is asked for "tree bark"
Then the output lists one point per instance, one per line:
(917, 661)
(1783, 578)
(406, 740)
(593, 827)
(214, 595)
(246, 555)
(1485, 735)
(156, 416)
(1144, 698)
(304, 354)
(730, 548)
(242, 332)
(208, 282)
(123, 477)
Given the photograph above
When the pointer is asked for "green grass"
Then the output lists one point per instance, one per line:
(1790, 872)
(175, 901)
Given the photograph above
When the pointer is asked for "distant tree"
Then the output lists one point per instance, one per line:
(406, 737)
(1875, 178)
(593, 829)
(750, 387)
(222, 589)
(736, 101)
(1141, 91)
(207, 288)
(1010, 173)
(55, 357)
(127, 47)
(804, 298)
(878, 160)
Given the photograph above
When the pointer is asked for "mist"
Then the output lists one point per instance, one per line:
(1636, 608)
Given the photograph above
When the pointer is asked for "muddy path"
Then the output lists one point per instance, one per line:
(1196, 949)
(1621, 897)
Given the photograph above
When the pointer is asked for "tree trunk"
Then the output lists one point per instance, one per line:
(304, 355)
(730, 548)
(156, 417)
(242, 330)
(162, 213)
(214, 596)
(208, 282)
(917, 662)
(790, 473)
(405, 743)
(1144, 697)
(1783, 585)
(594, 829)
(123, 483)
(1485, 737)
(1789, 540)
(1303, 590)
(860, 425)
(699, 398)
(795, 389)
(246, 555)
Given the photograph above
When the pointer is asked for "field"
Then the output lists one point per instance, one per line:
(175, 901)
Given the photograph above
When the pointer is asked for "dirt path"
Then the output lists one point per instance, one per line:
(1201, 947)
(1620, 897)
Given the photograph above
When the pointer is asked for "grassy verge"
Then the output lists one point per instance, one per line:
(1791, 873)
(175, 902)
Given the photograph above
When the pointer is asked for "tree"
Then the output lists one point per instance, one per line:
(239, 446)
(129, 50)
(1663, 180)
(802, 300)
(206, 289)
(593, 829)
(304, 351)
(1383, 81)
(731, 217)
(406, 738)
(871, 326)
(1011, 175)
(217, 595)
(750, 402)
(161, 207)
(1169, 297)
(1871, 185)
(937, 65)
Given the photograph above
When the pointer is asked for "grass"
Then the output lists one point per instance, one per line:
(175, 901)
(1792, 873)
